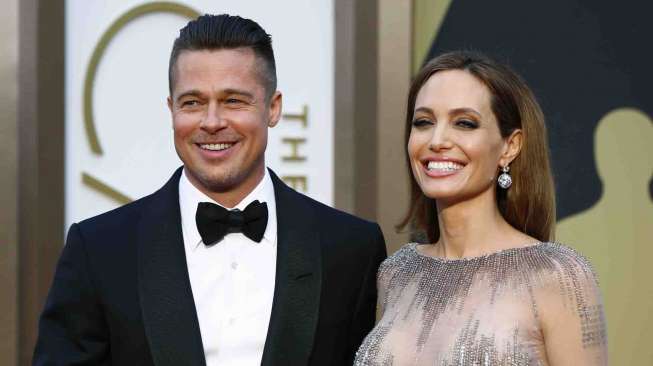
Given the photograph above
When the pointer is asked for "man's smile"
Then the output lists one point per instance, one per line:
(216, 147)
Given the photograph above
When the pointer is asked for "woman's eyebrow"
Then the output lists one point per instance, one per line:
(464, 110)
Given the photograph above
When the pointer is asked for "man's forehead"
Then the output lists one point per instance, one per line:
(238, 56)
(243, 58)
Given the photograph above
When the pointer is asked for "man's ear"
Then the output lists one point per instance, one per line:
(511, 148)
(274, 113)
(169, 100)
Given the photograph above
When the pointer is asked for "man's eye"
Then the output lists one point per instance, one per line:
(468, 124)
(233, 101)
(189, 103)
(421, 123)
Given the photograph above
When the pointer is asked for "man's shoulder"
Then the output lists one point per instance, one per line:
(117, 220)
(326, 213)
(342, 231)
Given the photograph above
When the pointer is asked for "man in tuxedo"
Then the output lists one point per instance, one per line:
(225, 264)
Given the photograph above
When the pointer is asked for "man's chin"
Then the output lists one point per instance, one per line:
(221, 180)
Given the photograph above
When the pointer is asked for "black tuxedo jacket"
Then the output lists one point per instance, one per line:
(121, 293)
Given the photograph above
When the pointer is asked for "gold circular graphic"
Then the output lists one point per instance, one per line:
(98, 52)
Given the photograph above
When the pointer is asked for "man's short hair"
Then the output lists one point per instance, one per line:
(215, 32)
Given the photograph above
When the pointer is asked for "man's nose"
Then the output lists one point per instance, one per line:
(213, 120)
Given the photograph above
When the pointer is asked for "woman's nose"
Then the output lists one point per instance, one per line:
(440, 139)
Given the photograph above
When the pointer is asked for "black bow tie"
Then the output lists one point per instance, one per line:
(214, 222)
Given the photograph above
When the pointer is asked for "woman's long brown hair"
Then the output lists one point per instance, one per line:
(529, 204)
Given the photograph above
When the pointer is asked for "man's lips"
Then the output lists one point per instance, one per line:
(217, 150)
(218, 146)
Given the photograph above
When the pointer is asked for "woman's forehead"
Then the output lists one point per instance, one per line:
(454, 89)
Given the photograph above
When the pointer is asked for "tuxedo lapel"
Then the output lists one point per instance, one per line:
(297, 289)
(166, 297)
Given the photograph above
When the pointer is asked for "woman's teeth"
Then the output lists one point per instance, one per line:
(447, 166)
(215, 147)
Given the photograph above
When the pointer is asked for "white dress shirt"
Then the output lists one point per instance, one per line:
(232, 280)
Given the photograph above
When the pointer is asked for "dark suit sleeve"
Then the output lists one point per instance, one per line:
(365, 311)
(72, 328)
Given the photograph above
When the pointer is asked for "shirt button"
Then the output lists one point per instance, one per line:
(234, 265)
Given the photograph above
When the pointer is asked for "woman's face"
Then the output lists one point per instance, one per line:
(455, 146)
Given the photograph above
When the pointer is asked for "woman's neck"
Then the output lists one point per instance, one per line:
(474, 227)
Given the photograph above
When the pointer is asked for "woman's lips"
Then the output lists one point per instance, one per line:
(441, 168)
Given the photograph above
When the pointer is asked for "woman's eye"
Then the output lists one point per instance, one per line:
(421, 123)
(465, 123)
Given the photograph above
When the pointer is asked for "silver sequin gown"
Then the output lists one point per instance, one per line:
(536, 305)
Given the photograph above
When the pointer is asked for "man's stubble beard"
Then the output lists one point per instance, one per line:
(226, 180)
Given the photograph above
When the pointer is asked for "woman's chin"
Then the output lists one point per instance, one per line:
(442, 194)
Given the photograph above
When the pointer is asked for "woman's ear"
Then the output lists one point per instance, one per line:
(511, 148)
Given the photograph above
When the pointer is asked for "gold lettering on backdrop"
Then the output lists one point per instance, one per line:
(294, 143)
(301, 117)
(297, 182)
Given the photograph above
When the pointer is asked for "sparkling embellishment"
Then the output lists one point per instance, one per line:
(505, 180)
(484, 310)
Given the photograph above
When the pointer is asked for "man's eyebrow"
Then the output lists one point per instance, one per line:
(231, 91)
(189, 93)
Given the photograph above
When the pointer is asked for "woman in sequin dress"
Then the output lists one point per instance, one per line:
(491, 289)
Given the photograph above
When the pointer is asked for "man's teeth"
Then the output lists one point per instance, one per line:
(215, 147)
(447, 166)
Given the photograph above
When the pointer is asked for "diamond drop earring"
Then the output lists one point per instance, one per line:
(505, 181)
